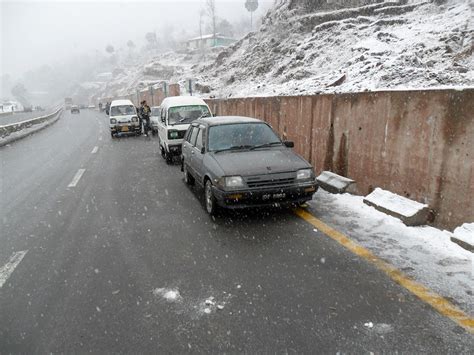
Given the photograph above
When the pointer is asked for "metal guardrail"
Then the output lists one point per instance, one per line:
(6, 130)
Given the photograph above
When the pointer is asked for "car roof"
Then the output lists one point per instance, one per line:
(182, 101)
(221, 120)
(121, 103)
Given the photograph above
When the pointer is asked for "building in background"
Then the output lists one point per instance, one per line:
(209, 41)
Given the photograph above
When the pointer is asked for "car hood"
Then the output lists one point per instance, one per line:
(260, 161)
(178, 127)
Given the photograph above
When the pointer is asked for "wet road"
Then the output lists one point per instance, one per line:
(115, 254)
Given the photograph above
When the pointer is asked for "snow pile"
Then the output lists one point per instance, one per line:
(170, 295)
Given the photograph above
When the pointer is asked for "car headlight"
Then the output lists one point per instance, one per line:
(113, 121)
(173, 134)
(231, 182)
(134, 119)
(304, 174)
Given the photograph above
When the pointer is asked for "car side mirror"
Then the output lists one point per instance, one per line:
(289, 144)
(203, 150)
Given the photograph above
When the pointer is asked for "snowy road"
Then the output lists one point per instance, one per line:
(121, 257)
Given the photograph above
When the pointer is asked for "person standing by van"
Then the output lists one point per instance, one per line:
(145, 116)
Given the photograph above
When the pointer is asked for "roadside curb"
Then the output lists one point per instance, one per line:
(411, 213)
(334, 183)
(6, 141)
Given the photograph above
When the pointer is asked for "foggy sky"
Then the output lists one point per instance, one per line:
(34, 33)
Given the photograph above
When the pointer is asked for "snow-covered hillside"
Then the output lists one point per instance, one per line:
(395, 45)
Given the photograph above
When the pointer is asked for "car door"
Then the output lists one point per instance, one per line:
(186, 148)
(191, 161)
(162, 127)
(198, 154)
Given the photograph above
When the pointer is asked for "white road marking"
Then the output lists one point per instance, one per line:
(76, 178)
(10, 266)
(95, 150)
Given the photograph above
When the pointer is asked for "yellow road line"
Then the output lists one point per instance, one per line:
(442, 305)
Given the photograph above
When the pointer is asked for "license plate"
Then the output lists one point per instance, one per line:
(267, 197)
(125, 129)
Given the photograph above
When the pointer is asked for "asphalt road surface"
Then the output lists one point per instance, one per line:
(107, 250)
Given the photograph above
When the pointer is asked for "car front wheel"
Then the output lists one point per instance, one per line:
(209, 199)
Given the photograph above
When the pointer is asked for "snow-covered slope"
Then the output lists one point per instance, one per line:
(390, 45)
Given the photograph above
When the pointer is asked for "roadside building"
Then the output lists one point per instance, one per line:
(209, 41)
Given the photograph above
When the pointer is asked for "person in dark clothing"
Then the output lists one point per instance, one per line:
(145, 116)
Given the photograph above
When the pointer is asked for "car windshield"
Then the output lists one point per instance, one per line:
(155, 111)
(187, 114)
(245, 135)
(122, 110)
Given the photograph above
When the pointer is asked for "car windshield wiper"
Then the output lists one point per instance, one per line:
(265, 145)
(235, 147)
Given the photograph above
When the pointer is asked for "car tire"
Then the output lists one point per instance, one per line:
(188, 178)
(168, 158)
(112, 135)
(163, 153)
(209, 199)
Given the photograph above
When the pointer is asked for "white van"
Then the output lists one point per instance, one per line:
(176, 115)
(123, 118)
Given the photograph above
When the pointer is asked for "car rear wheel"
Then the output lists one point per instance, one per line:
(209, 199)
(188, 178)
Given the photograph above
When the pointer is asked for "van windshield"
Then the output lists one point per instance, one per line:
(122, 110)
(187, 114)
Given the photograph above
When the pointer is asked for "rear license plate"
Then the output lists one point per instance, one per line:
(125, 129)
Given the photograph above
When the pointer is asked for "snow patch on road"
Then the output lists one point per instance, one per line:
(170, 295)
(424, 253)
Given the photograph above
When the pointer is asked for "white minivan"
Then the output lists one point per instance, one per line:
(176, 114)
(123, 118)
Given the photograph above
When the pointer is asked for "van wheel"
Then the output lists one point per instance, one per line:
(168, 158)
(188, 178)
(209, 199)
(163, 153)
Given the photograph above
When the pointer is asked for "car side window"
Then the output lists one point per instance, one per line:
(189, 133)
(194, 136)
(163, 115)
(199, 139)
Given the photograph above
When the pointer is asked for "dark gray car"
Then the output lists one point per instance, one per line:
(241, 162)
